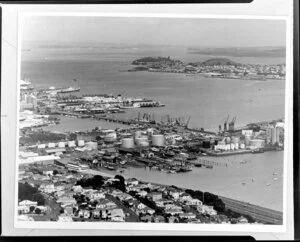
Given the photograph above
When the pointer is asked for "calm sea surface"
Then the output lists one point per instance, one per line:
(208, 101)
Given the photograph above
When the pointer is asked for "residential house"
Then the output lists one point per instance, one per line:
(59, 187)
(149, 210)
(141, 206)
(187, 215)
(105, 204)
(204, 209)
(64, 218)
(68, 210)
(96, 213)
(146, 219)
(174, 194)
(124, 197)
(28, 203)
(116, 215)
(193, 202)
(102, 204)
(59, 194)
(86, 214)
(97, 195)
(48, 172)
(155, 196)
(173, 219)
(47, 188)
(242, 220)
(163, 202)
(24, 217)
(171, 205)
(23, 209)
(159, 219)
(77, 189)
(111, 205)
(66, 201)
(173, 211)
(185, 197)
(42, 208)
(115, 192)
(142, 193)
(132, 182)
(193, 221)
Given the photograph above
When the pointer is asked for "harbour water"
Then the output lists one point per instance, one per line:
(207, 100)
(242, 181)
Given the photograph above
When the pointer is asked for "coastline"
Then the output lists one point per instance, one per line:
(247, 208)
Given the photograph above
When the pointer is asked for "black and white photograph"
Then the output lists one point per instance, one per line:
(125, 119)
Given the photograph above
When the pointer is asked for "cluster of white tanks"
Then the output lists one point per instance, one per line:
(234, 143)
(143, 139)
(70, 144)
(231, 146)
(228, 143)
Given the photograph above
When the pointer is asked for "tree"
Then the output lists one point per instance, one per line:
(95, 182)
(39, 198)
(38, 211)
(31, 209)
(55, 172)
(27, 192)
(119, 184)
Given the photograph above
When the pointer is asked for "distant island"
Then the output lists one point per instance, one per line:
(241, 51)
(215, 67)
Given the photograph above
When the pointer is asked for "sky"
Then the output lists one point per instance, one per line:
(154, 31)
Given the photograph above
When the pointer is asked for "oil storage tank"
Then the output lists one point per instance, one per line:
(71, 144)
(61, 144)
(141, 139)
(158, 140)
(227, 140)
(80, 143)
(127, 143)
(51, 145)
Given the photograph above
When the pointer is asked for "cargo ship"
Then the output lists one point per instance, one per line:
(69, 89)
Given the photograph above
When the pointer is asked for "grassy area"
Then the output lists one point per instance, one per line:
(54, 210)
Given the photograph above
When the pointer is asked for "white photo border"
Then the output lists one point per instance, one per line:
(288, 158)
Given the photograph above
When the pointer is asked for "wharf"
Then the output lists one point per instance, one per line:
(80, 115)
(226, 153)
(208, 163)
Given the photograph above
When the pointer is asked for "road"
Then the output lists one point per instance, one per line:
(260, 214)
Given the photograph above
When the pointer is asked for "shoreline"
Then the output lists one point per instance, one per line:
(104, 174)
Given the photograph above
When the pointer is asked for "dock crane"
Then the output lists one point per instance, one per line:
(231, 124)
(187, 123)
(225, 124)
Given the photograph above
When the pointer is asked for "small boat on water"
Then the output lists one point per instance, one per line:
(243, 183)
(268, 184)
(275, 178)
